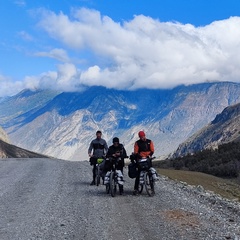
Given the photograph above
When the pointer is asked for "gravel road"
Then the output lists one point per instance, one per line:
(52, 199)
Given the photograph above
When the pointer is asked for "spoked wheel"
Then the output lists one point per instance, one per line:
(113, 185)
(149, 184)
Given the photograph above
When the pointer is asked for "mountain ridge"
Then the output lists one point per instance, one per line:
(223, 129)
(65, 123)
(11, 151)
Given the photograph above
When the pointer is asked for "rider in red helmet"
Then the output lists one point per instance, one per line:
(143, 148)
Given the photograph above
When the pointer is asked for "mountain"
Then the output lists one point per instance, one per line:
(63, 124)
(25, 102)
(3, 135)
(223, 129)
(10, 151)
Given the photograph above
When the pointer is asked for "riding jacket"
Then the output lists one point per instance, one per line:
(144, 148)
(99, 147)
(113, 149)
(123, 154)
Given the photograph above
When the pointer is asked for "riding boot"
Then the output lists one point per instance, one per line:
(93, 181)
(121, 189)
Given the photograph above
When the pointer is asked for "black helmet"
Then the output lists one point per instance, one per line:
(115, 140)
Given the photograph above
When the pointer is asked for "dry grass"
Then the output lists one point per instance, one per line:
(224, 187)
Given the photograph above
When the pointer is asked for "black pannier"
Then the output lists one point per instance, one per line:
(132, 170)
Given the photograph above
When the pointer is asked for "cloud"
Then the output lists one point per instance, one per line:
(66, 78)
(145, 52)
(59, 54)
(10, 87)
(140, 53)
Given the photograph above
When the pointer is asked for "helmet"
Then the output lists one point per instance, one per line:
(141, 134)
(115, 140)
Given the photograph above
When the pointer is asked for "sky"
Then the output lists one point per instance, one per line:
(66, 45)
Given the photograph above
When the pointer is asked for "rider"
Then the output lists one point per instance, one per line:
(115, 151)
(99, 147)
(143, 148)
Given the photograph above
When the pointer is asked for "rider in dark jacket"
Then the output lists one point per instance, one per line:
(117, 150)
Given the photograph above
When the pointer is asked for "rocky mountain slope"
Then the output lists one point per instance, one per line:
(62, 125)
(224, 128)
(14, 109)
(10, 151)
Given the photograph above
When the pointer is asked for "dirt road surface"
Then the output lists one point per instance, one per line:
(52, 199)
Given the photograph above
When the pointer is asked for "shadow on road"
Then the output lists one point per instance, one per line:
(84, 183)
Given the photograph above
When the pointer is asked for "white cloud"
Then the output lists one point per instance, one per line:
(59, 54)
(143, 52)
(66, 78)
(10, 87)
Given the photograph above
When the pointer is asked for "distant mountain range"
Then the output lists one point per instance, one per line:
(63, 124)
(223, 129)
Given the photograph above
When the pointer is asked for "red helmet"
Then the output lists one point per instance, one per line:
(141, 134)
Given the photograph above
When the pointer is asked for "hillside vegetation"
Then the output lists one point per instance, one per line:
(216, 170)
(221, 162)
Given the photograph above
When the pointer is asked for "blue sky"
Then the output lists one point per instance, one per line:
(127, 44)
